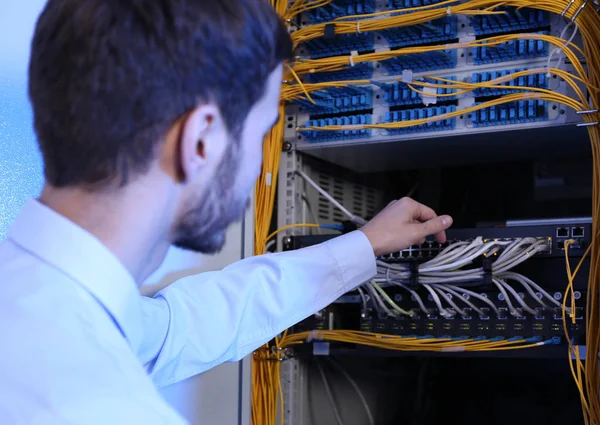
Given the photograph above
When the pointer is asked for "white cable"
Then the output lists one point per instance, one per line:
(376, 301)
(526, 256)
(458, 279)
(375, 295)
(518, 251)
(391, 302)
(363, 297)
(460, 262)
(437, 301)
(459, 296)
(468, 255)
(358, 391)
(359, 221)
(336, 412)
(443, 255)
(415, 295)
(518, 298)
(517, 258)
(270, 244)
(391, 266)
(562, 48)
(528, 288)
(452, 252)
(466, 273)
(515, 246)
(449, 300)
(511, 307)
(314, 217)
(475, 295)
(516, 276)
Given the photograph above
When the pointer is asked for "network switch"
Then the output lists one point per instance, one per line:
(552, 233)
(524, 302)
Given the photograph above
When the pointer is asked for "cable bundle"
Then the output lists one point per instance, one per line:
(443, 276)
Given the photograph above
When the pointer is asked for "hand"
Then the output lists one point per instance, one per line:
(402, 224)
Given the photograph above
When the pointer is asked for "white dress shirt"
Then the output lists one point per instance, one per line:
(80, 345)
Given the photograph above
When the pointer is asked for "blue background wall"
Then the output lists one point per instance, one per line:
(20, 162)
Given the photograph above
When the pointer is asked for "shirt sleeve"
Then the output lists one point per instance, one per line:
(201, 321)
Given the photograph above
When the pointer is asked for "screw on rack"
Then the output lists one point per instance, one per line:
(286, 147)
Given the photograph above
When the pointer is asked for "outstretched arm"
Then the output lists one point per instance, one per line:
(204, 320)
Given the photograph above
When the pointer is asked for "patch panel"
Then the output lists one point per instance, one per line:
(338, 100)
(405, 4)
(510, 51)
(435, 31)
(425, 251)
(421, 113)
(429, 61)
(339, 8)
(534, 80)
(321, 136)
(545, 326)
(512, 20)
(430, 249)
(358, 72)
(399, 94)
(511, 113)
(342, 44)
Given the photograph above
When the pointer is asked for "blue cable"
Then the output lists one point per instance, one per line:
(332, 227)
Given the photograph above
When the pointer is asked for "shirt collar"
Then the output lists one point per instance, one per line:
(78, 254)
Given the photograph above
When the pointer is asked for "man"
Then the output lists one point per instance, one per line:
(150, 116)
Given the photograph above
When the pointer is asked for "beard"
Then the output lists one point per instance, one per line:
(203, 227)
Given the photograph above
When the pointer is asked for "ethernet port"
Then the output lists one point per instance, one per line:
(562, 232)
(577, 232)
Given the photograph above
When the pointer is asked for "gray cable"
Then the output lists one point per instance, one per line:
(357, 389)
(329, 393)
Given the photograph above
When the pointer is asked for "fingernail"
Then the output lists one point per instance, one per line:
(446, 220)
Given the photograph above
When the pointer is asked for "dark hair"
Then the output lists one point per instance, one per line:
(107, 78)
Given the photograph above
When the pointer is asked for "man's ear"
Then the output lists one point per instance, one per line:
(203, 141)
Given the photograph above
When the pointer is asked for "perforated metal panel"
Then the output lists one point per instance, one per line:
(298, 202)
